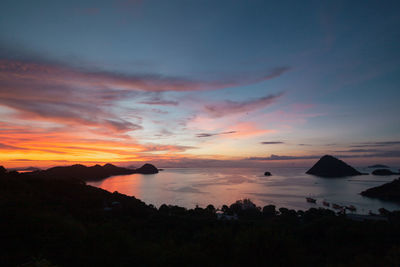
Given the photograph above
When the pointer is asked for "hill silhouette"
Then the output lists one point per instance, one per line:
(329, 166)
(147, 169)
(64, 222)
(388, 191)
(92, 173)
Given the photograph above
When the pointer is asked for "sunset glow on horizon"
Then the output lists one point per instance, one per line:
(211, 83)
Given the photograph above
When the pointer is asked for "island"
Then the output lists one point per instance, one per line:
(329, 166)
(92, 173)
(384, 172)
(388, 191)
(147, 169)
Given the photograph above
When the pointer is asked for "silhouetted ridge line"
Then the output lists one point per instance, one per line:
(93, 173)
(389, 191)
(329, 166)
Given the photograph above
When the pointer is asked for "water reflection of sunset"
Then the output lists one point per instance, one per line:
(288, 188)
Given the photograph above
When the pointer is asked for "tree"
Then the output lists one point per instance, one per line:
(210, 208)
(164, 208)
(269, 210)
(2, 170)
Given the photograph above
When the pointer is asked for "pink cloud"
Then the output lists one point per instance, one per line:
(45, 73)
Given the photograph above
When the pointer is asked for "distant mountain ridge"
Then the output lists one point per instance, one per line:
(93, 173)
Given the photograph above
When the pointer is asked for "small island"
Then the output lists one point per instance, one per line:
(329, 166)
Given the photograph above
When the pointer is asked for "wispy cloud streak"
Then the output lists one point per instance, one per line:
(57, 74)
(228, 107)
(214, 134)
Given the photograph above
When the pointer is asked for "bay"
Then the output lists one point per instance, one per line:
(287, 187)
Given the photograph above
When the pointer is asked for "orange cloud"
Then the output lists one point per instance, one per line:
(58, 113)
(54, 145)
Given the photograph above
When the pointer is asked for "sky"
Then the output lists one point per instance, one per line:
(199, 83)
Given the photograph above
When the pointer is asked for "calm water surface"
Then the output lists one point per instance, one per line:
(288, 188)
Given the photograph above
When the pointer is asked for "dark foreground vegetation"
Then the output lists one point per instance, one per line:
(60, 222)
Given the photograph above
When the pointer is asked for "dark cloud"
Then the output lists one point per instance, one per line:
(9, 147)
(277, 157)
(228, 107)
(385, 154)
(157, 98)
(214, 134)
(171, 148)
(122, 125)
(64, 111)
(376, 144)
(272, 142)
(159, 111)
(388, 154)
(61, 74)
(160, 103)
(358, 151)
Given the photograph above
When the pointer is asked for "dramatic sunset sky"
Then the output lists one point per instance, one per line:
(199, 83)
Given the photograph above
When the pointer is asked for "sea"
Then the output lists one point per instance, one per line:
(287, 187)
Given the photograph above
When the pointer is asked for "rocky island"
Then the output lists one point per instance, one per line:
(147, 169)
(329, 166)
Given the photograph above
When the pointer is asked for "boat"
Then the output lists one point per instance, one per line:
(351, 208)
(311, 200)
(325, 203)
(336, 206)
